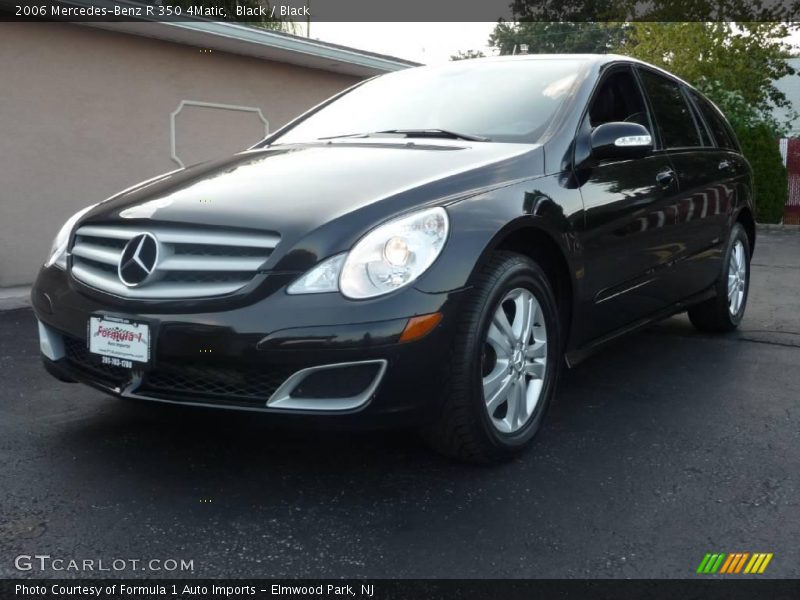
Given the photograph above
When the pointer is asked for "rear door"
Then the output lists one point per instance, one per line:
(703, 175)
(630, 208)
(730, 167)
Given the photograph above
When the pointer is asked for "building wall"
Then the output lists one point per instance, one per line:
(86, 112)
(790, 85)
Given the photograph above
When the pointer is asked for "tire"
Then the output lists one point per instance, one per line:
(717, 314)
(461, 425)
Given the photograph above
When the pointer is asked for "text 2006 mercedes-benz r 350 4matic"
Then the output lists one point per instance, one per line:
(426, 248)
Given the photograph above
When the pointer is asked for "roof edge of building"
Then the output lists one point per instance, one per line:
(242, 39)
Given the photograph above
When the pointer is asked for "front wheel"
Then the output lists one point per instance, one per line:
(725, 311)
(503, 366)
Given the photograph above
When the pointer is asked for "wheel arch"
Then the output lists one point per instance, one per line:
(532, 239)
(745, 217)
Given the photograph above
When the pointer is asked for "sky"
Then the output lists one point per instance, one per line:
(427, 43)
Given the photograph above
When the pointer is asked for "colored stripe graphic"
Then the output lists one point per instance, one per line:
(710, 563)
(703, 563)
(765, 563)
(718, 563)
(741, 562)
(734, 563)
(729, 563)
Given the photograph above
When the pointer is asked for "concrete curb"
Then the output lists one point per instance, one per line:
(15, 297)
(777, 227)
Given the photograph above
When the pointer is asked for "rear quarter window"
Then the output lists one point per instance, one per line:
(715, 121)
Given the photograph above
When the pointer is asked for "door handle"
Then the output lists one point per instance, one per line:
(724, 165)
(664, 178)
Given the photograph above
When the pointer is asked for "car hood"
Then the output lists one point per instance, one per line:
(296, 190)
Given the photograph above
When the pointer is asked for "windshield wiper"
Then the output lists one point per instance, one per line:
(343, 135)
(431, 133)
(438, 133)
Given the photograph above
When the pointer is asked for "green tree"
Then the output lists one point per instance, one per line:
(542, 37)
(467, 54)
(770, 178)
(736, 65)
(720, 57)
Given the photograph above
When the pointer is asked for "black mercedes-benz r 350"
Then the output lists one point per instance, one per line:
(425, 249)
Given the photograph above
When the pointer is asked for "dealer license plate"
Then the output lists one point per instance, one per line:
(119, 342)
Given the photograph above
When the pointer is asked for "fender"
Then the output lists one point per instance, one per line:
(481, 224)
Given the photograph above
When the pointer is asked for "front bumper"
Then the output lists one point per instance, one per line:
(298, 356)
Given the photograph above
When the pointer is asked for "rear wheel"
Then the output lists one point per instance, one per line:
(503, 366)
(725, 311)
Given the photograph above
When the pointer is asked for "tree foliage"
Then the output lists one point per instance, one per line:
(735, 63)
(720, 58)
(467, 54)
(557, 38)
(770, 178)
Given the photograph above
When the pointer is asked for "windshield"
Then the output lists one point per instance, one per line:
(504, 101)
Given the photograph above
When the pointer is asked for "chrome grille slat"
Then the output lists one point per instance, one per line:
(160, 290)
(97, 254)
(192, 262)
(173, 235)
(211, 263)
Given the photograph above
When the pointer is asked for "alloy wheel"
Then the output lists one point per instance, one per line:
(514, 361)
(737, 278)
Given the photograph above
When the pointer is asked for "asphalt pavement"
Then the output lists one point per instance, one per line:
(663, 447)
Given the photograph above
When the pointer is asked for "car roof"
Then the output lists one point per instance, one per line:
(596, 59)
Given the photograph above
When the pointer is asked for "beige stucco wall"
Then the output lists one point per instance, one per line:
(86, 112)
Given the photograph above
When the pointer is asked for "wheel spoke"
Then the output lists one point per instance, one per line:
(535, 369)
(522, 401)
(536, 350)
(494, 380)
(502, 393)
(514, 402)
(500, 321)
(523, 319)
(499, 342)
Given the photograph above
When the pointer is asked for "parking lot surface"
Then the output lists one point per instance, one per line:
(664, 446)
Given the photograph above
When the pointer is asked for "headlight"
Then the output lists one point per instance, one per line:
(58, 251)
(394, 254)
(322, 278)
(387, 258)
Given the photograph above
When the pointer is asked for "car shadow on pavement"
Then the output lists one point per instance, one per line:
(165, 446)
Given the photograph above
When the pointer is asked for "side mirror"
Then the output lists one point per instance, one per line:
(621, 141)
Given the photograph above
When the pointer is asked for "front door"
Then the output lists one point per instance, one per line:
(629, 239)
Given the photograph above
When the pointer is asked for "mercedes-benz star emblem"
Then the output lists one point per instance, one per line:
(138, 259)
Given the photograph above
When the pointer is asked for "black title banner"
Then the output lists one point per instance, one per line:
(382, 589)
(273, 11)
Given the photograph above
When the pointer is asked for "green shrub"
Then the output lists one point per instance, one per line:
(771, 187)
(758, 134)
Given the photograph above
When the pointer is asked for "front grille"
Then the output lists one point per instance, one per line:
(80, 359)
(223, 385)
(192, 262)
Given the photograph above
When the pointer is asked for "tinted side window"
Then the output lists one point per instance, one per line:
(618, 99)
(714, 121)
(705, 135)
(672, 113)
